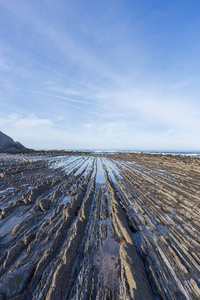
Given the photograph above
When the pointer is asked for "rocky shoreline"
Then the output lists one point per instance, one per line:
(99, 226)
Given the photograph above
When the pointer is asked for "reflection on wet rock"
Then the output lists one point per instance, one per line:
(99, 226)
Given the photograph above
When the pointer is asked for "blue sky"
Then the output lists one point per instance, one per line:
(118, 74)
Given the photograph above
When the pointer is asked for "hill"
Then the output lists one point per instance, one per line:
(7, 144)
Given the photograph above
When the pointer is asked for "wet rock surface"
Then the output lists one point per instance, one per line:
(99, 226)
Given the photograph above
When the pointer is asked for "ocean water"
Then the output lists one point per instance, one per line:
(164, 152)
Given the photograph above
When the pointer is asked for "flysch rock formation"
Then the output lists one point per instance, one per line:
(109, 226)
(7, 144)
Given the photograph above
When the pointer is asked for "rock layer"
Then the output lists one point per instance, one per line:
(109, 226)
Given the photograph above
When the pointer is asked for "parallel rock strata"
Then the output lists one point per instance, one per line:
(109, 226)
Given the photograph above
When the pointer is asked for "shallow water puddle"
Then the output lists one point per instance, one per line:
(11, 223)
(87, 164)
(9, 189)
(66, 199)
(100, 176)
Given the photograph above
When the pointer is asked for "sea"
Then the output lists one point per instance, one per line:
(163, 152)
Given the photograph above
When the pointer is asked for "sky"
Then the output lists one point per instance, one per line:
(117, 74)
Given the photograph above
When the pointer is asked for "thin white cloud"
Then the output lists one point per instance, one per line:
(60, 97)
